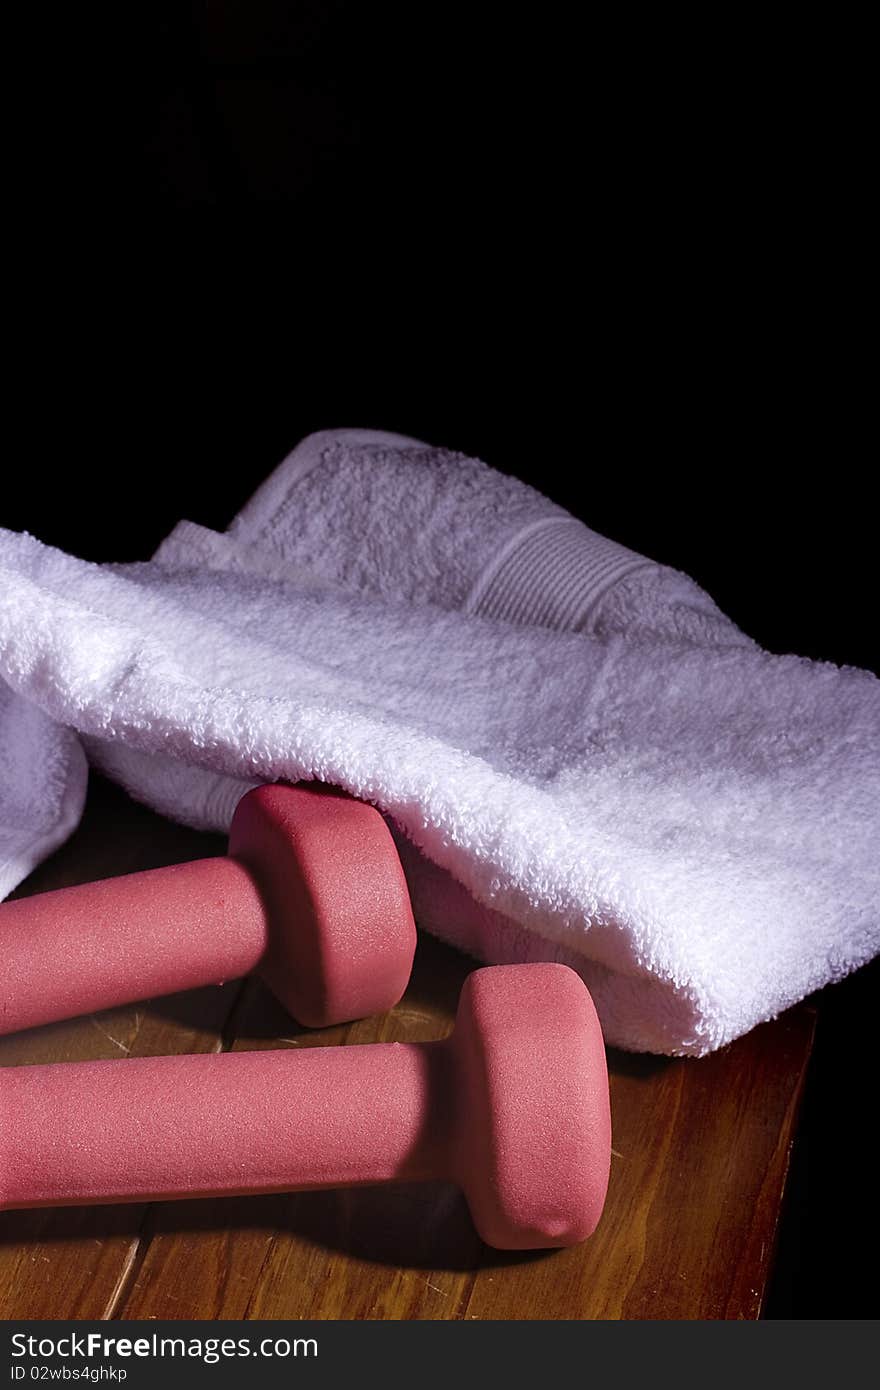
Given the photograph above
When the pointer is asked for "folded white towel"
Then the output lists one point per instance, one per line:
(387, 515)
(585, 760)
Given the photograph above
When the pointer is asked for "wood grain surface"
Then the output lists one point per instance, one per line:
(701, 1155)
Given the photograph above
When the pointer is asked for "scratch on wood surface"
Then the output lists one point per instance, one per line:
(616, 1154)
(120, 1288)
(417, 1016)
(105, 1034)
(434, 1287)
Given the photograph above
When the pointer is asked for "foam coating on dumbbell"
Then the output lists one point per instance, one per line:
(513, 1107)
(342, 935)
(91, 947)
(312, 896)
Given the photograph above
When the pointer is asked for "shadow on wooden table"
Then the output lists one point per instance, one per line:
(417, 1225)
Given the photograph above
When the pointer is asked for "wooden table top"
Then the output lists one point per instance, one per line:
(701, 1152)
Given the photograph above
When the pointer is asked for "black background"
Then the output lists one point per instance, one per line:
(625, 265)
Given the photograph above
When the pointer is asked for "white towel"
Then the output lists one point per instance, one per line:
(583, 758)
(43, 776)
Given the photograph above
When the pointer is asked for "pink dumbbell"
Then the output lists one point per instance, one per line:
(514, 1107)
(312, 896)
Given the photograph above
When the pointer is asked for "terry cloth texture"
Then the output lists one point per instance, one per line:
(582, 758)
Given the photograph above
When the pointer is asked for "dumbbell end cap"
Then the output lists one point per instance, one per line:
(534, 1127)
(341, 929)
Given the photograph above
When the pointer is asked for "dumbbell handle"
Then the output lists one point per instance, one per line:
(98, 945)
(161, 1128)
